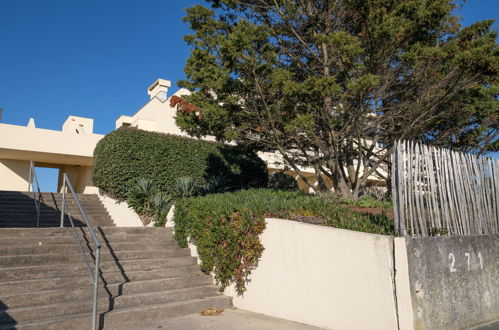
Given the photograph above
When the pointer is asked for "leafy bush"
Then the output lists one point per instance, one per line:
(282, 181)
(129, 153)
(226, 227)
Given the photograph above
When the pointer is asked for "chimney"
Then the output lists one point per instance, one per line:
(159, 89)
(31, 123)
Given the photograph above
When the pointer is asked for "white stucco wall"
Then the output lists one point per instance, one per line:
(66, 150)
(14, 174)
(122, 215)
(45, 145)
(323, 276)
(403, 290)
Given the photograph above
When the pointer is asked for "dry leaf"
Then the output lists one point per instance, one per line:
(211, 311)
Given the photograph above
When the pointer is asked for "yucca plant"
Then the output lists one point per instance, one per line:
(161, 204)
(140, 195)
(147, 202)
(217, 184)
(186, 186)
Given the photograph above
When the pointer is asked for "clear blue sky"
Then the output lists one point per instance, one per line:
(96, 58)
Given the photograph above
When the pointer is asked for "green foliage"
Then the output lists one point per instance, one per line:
(324, 82)
(148, 203)
(161, 204)
(282, 181)
(129, 153)
(225, 227)
(140, 196)
(186, 186)
(368, 201)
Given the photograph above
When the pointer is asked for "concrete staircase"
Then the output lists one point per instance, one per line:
(17, 209)
(44, 283)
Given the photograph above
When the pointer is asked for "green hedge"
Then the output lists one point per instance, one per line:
(225, 227)
(127, 154)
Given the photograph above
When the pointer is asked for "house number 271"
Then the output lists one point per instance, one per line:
(467, 256)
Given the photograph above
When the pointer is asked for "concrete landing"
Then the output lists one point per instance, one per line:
(234, 319)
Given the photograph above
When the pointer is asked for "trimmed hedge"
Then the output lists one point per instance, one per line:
(127, 154)
(226, 227)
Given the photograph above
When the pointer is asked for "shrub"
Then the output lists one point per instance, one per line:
(148, 203)
(226, 227)
(282, 181)
(129, 153)
(368, 201)
(186, 186)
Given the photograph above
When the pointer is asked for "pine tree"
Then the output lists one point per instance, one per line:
(331, 84)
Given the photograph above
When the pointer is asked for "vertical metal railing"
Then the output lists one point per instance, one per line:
(34, 180)
(95, 274)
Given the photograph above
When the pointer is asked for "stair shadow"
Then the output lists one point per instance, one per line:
(88, 242)
(5, 318)
(47, 204)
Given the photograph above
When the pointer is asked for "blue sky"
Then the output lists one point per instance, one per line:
(96, 58)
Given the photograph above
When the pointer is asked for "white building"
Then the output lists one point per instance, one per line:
(71, 149)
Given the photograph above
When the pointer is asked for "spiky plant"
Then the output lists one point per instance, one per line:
(186, 186)
(161, 204)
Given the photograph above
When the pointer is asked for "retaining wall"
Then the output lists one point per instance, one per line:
(323, 276)
(341, 279)
(454, 281)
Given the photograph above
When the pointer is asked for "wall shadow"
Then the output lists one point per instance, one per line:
(6, 321)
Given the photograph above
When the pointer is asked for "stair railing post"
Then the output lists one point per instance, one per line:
(96, 288)
(63, 202)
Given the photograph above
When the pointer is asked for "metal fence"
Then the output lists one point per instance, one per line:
(441, 192)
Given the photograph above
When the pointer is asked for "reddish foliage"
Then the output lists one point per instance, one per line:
(184, 107)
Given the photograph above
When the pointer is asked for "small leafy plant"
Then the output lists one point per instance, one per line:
(148, 203)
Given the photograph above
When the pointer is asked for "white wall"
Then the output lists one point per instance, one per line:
(323, 276)
(14, 174)
(45, 145)
(122, 215)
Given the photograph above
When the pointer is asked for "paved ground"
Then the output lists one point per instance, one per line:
(490, 326)
(230, 319)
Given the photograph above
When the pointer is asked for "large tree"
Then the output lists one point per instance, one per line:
(331, 84)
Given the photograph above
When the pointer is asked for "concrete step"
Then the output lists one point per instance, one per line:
(43, 271)
(116, 319)
(4, 193)
(47, 217)
(51, 223)
(51, 211)
(23, 198)
(22, 249)
(109, 291)
(74, 256)
(57, 219)
(19, 285)
(105, 304)
(103, 231)
(70, 239)
(45, 224)
(30, 209)
(52, 219)
(24, 216)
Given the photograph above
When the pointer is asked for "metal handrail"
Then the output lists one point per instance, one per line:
(95, 275)
(34, 179)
